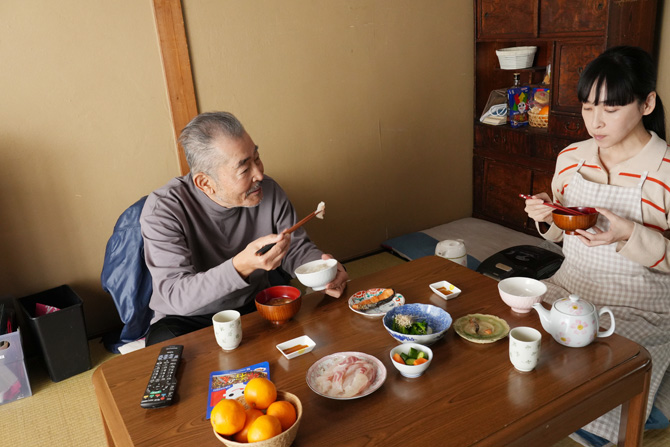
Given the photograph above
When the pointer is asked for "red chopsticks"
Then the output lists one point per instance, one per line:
(558, 207)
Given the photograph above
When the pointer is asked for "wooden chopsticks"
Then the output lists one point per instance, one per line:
(309, 217)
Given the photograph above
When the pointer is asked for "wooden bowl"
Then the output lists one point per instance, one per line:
(284, 439)
(279, 312)
(571, 222)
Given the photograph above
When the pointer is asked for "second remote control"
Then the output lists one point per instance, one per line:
(161, 388)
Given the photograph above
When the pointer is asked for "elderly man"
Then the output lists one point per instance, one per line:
(202, 231)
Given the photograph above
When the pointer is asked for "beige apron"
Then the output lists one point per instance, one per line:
(638, 296)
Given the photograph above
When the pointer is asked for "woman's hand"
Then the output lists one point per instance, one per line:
(337, 285)
(537, 210)
(620, 230)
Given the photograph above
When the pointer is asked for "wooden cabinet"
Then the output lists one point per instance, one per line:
(568, 34)
(500, 18)
(573, 16)
(571, 59)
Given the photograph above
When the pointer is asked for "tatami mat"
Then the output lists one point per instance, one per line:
(66, 413)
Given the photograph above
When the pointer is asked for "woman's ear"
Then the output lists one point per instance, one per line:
(649, 104)
(204, 183)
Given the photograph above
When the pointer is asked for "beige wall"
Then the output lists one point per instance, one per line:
(362, 104)
(84, 132)
(365, 105)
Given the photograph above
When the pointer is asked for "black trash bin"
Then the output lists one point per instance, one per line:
(61, 334)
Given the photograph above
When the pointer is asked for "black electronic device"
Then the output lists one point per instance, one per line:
(522, 260)
(161, 388)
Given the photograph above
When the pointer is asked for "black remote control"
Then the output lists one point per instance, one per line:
(163, 382)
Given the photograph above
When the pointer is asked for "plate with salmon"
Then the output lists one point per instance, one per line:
(346, 375)
(375, 302)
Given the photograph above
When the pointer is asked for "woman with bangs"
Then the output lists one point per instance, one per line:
(623, 262)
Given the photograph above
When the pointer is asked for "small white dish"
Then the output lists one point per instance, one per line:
(303, 340)
(452, 289)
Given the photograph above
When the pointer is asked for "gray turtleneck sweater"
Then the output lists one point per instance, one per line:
(189, 243)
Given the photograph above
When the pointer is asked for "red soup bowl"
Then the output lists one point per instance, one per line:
(571, 222)
(278, 304)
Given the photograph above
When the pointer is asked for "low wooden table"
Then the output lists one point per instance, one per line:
(470, 396)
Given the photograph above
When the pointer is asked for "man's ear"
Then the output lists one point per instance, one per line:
(204, 183)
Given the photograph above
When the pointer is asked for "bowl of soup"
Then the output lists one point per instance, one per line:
(317, 274)
(571, 222)
(278, 304)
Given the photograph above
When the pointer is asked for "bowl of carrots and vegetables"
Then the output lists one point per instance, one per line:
(411, 359)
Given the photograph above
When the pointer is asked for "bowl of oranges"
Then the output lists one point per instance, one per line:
(263, 417)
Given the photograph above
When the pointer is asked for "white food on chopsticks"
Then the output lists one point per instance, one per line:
(347, 377)
(321, 210)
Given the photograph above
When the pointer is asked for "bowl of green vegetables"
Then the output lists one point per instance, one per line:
(417, 323)
(411, 359)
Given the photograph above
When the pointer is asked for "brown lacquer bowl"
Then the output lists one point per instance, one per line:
(571, 222)
(278, 304)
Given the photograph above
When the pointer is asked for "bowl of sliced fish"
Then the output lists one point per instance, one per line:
(417, 323)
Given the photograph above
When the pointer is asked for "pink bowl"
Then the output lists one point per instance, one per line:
(521, 293)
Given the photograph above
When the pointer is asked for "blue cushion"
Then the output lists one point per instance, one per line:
(656, 420)
(417, 245)
(126, 278)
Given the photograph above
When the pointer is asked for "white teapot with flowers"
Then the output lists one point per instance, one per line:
(573, 322)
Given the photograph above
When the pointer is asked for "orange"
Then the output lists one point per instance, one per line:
(252, 415)
(260, 393)
(545, 110)
(228, 417)
(264, 427)
(284, 411)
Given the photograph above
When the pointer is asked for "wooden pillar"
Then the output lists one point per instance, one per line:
(176, 68)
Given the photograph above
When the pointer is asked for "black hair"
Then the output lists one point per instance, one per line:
(629, 74)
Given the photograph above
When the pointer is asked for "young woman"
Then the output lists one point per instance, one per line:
(624, 172)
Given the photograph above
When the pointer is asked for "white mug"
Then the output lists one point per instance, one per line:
(524, 347)
(227, 329)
